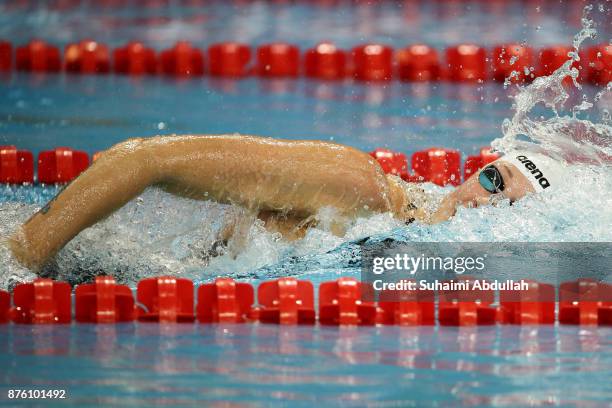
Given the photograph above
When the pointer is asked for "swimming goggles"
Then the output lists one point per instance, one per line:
(491, 180)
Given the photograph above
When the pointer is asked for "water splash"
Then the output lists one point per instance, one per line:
(160, 234)
(564, 137)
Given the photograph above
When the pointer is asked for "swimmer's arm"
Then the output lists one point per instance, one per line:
(115, 178)
(296, 177)
(446, 210)
(289, 177)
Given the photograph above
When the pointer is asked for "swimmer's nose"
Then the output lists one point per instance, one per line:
(471, 194)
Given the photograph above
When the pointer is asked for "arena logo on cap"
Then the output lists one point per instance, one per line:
(537, 173)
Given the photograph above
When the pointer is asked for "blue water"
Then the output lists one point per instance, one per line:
(92, 113)
(267, 365)
(263, 365)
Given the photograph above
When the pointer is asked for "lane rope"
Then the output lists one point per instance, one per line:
(363, 63)
(289, 301)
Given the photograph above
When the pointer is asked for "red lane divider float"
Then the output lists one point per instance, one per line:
(286, 301)
(407, 308)
(533, 306)
(340, 304)
(61, 165)
(551, 58)
(43, 301)
(418, 62)
(466, 62)
(509, 58)
(87, 57)
(104, 301)
(229, 60)
(182, 60)
(5, 306)
(372, 62)
(135, 59)
(6, 56)
(16, 166)
(38, 56)
(466, 307)
(437, 165)
(599, 64)
(325, 61)
(392, 162)
(225, 301)
(367, 62)
(165, 300)
(585, 302)
(474, 163)
(278, 60)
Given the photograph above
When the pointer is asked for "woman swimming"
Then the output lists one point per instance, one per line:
(283, 182)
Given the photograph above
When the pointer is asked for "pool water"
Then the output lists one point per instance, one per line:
(263, 365)
(92, 113)
(268, 365)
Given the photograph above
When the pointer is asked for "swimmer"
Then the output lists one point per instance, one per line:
(285, 183)
(512, 177)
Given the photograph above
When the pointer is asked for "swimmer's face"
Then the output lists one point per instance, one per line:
(516, 186)
(471, 194)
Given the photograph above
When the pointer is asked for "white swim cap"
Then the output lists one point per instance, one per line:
(543, 172)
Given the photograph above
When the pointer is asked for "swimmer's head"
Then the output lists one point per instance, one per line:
(513, 176)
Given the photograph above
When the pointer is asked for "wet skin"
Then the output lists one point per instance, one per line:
(471, 194)
(283, 182)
